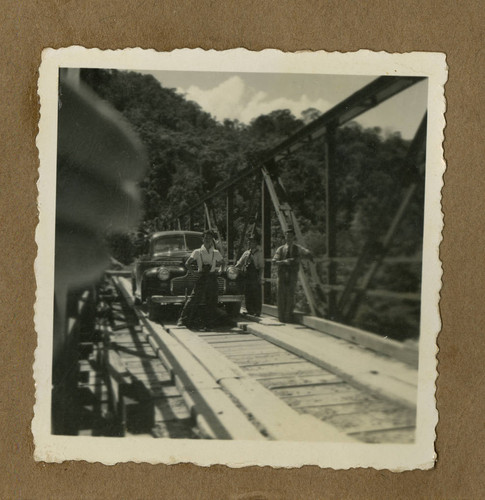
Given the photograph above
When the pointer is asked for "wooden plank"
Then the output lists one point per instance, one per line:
(374, 420)
(131, 337)
(277, 418)
(214, 334)
(133, 347)
(311, 390)
(359, 366)
(404, 436)
(135, 362)
(397, 350)
(146, 370)
(240, 339)
(232, 335)
(241, 348)
(223, 417)
(174, 429)
(267, 371)
(170, 409)
(227, 373)
(165, 391)
(150, 366)
(407, 353)
(268, 353)
(329, 399)
(263, 359)
(186, 366)
(328, 411)
(224, 420)
(269, 363)
(317, 391)
(300, 380)
(213, 361)
(116, 367)
(160, 377)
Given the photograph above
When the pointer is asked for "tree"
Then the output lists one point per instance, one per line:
(190, 153)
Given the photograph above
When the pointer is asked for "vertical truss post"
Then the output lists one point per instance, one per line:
(230, 223)
(207, 219)
(286, 216)
(331, 218)
(250, 222)
(415, 162)
(266, 239)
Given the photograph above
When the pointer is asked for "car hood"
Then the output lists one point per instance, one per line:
(176, 255)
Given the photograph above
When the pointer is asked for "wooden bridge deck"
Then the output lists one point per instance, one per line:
(260, 380)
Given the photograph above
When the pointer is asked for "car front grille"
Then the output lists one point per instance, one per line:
(183, 285)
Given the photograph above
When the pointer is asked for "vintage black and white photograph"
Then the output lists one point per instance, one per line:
(238, 257)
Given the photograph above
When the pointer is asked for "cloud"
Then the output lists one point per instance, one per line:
(234, 99)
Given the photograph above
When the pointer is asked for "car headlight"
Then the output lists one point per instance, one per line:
(163, 273)
(232, 272)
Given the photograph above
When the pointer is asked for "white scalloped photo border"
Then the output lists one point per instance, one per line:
(396, 457)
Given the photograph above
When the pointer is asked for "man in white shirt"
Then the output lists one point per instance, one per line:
(209, 265)
(251, 264)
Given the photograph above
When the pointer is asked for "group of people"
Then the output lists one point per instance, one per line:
(210, 264)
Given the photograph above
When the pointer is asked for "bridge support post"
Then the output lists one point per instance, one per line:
(230, 223)
(266, 207)
(330, 219)
(415, 163)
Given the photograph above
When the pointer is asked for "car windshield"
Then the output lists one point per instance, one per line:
(193, 241)
(169, 243)
(176, 242)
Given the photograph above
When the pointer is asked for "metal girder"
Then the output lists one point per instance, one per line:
(368, 97)
(251, 216)
(230, 224)
(266, 239)
(415, 159)
(376, 92)
(285, 216)
(331, 219)
(221, 188)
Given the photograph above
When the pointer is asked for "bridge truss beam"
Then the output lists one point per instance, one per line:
(363, 100)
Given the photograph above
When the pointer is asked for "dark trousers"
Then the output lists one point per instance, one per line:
(204, 292)
(286, 295)
(253, 297)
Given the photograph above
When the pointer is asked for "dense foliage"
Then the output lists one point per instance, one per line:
(190, 153)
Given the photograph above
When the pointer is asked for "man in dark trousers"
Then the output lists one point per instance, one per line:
(287, 258)
(251, 265)
(209, 264)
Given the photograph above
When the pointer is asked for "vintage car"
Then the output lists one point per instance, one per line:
(160, 277)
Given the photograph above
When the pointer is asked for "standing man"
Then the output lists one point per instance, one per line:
(251, 264)
(287, 258)
(209, 265)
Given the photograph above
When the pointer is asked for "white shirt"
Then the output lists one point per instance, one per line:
(210, 257)
(258, 259)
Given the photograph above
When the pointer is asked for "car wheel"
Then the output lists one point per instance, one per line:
(153, 310)
(233, 309)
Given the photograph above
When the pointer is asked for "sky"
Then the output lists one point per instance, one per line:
(245, 96)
